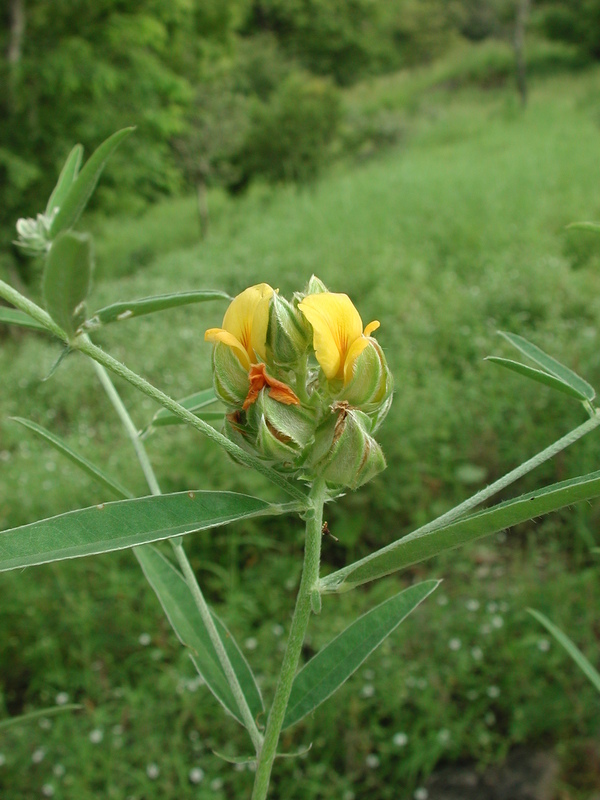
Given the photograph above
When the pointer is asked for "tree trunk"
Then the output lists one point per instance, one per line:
(523, 7)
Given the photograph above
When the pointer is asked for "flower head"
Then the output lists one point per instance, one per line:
(245, 325)
(338, 337)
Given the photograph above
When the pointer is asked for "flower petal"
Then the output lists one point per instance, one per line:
(356, 348)
(241, 316)
(220, 335)
(336, 325)
(372, 326)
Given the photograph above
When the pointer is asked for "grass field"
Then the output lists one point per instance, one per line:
(456, 233)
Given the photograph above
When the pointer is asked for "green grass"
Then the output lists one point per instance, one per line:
(457, 233)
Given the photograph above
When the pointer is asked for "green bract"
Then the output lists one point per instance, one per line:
(288, 409)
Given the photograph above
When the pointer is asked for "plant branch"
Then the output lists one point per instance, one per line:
(182, 558)
(232, 679)
(93, 351)
(302, 612)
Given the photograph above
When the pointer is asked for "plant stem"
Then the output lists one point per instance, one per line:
(334, 582)
(182, 558)
(123, 414)
(206, 615)
(93, 351)
(302, 612)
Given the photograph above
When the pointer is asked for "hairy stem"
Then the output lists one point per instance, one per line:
(302, 612)
(182, 559)
(123, 414)
(83, 344)
(232, 678)
(334, 581)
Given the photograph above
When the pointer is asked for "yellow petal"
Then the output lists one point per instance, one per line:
(356, 348)
(336, 325)
(260, 324)
(372, 326)
(219, 335)
(247, 310)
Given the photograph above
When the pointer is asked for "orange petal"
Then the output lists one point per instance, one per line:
(277, 389)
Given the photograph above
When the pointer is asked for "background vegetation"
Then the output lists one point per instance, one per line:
(443, 213)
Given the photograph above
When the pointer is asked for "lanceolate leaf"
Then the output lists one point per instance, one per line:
(67, 277)
(538, 375)
(551, 365)
(101, 477)
(417, 547)
(122, 524)
(84, 184)
(65, 179)
(180, 608)
(584, 665)
(338, 660)
(195, 403)
(12, 316)
(148, 305)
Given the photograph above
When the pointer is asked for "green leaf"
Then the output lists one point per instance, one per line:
(180, 608)
(84, 184)
(194, 403)
(417, 547)
(537, 375)
(42, 712)
(148, 305)
(91, 469)
(550, 364)
(585, 226)
(122, 524)
(65, 179)
(338, 660)
(12, 316)
(584, 665)
(67, 277)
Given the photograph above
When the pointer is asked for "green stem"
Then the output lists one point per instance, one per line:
(207, 618)
(334, 581)
(82, 344)
(302, 612)
(182, 558)
(127, 422)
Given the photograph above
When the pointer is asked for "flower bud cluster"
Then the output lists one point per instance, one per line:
(34, 234)
(304, 386)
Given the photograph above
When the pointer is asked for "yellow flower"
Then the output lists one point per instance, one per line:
(245, 325)
(338, 337)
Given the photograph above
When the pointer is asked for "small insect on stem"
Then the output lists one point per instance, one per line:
(326, 532)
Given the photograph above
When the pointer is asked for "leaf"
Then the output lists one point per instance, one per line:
(550, 364)
(584, 665)
(148, 305)
(91, 469)
(65, 180)
(180, 608)
(537, 375)
(417, 547)
(42, 712)
(12, 316)
(123, 523)
(338, 660)
(67, 277)
(84, 184)
(585, 226)
(194, 403)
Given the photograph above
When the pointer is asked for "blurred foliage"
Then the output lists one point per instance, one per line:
(576, 22)
(456, 234)
(220, 92)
